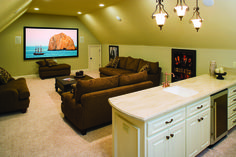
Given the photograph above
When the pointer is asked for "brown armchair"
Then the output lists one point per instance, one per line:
(14, 94)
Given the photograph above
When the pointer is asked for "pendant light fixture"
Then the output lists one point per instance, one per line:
(181, 7)
(160, 14)
(196, 18)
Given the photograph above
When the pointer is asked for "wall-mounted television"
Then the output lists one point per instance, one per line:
(46, 42)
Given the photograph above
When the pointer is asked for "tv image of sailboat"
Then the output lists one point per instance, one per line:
(38, 51)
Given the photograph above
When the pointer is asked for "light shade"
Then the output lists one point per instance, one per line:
(181, 10)
(197, 23)
(160, 18)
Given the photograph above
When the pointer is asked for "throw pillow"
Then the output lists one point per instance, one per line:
(50, 62)
(115, 62)
(41, 63)
(110, 63)
(145, 68)
(4, 76)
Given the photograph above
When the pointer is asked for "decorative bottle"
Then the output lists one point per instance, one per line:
(212, 68)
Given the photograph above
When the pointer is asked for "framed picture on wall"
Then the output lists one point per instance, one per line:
(183, 64)
(113, 51)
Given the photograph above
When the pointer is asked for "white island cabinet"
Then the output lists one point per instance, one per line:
(166, 123)
(163, 136)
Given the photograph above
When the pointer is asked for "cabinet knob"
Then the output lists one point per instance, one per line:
(202, 118)
(234, 90)
(234, 121)
(234, 100)
(199, 107)
(234, 109)
(167, 137)
(171, 135)
(167, 122)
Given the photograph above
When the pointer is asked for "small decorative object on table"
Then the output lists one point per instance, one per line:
(220, 73)
(79, 74)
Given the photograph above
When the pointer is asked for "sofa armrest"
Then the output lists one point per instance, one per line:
(8, 96)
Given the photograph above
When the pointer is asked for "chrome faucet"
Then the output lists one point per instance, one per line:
(166, 83)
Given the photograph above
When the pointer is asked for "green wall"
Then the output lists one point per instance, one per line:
(163, 56)
(11, 55)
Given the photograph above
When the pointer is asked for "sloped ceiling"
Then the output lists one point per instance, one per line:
(137, 27)
(11, 10)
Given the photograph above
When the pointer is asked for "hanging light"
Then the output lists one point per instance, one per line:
(181, 8)
(160, 14)
(196, 18)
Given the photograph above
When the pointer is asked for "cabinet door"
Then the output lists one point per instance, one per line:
(198, 132)
(192, 136)
(204, 129)
(158, 144)
(177, 140)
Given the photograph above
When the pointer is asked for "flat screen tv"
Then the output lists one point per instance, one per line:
(45, 42)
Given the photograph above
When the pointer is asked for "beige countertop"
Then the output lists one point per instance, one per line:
(153, 102)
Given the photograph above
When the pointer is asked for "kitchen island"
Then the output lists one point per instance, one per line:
(172, 121)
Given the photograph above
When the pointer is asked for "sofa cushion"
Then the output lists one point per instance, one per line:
(50, 62)
(115, 62)
(133, 78)
(145, 68)
(88, 86)
(4, 76)
(153, 66)
(113, 71)
(122, 63)
(57, 67)
(132, 64)
(110, 63)
(42, 63)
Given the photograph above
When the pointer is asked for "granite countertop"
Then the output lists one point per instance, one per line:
(153, 102)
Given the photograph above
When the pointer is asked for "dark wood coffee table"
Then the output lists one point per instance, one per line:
(65, 82)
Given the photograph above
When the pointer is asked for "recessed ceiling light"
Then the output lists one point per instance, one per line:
(79, 13)
(36, 8)
(101, 5)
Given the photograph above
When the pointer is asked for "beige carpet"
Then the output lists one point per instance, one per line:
(43, 132)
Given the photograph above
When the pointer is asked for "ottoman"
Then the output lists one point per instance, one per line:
(53, 71)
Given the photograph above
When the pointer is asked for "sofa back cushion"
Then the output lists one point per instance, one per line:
(132, 64)
(4, 76)
(88, 86)
(133, 78)
(153, 66)
(122, 63)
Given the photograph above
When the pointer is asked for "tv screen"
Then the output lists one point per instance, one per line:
(41, 42)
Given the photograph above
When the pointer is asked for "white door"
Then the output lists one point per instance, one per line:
(94, 57)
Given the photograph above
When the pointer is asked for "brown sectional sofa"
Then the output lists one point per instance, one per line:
(14, 96)
(129, 65)
(88, 105)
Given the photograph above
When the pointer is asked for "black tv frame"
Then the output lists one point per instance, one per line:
(51, 28)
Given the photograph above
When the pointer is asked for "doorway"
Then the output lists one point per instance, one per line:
(94, 57)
